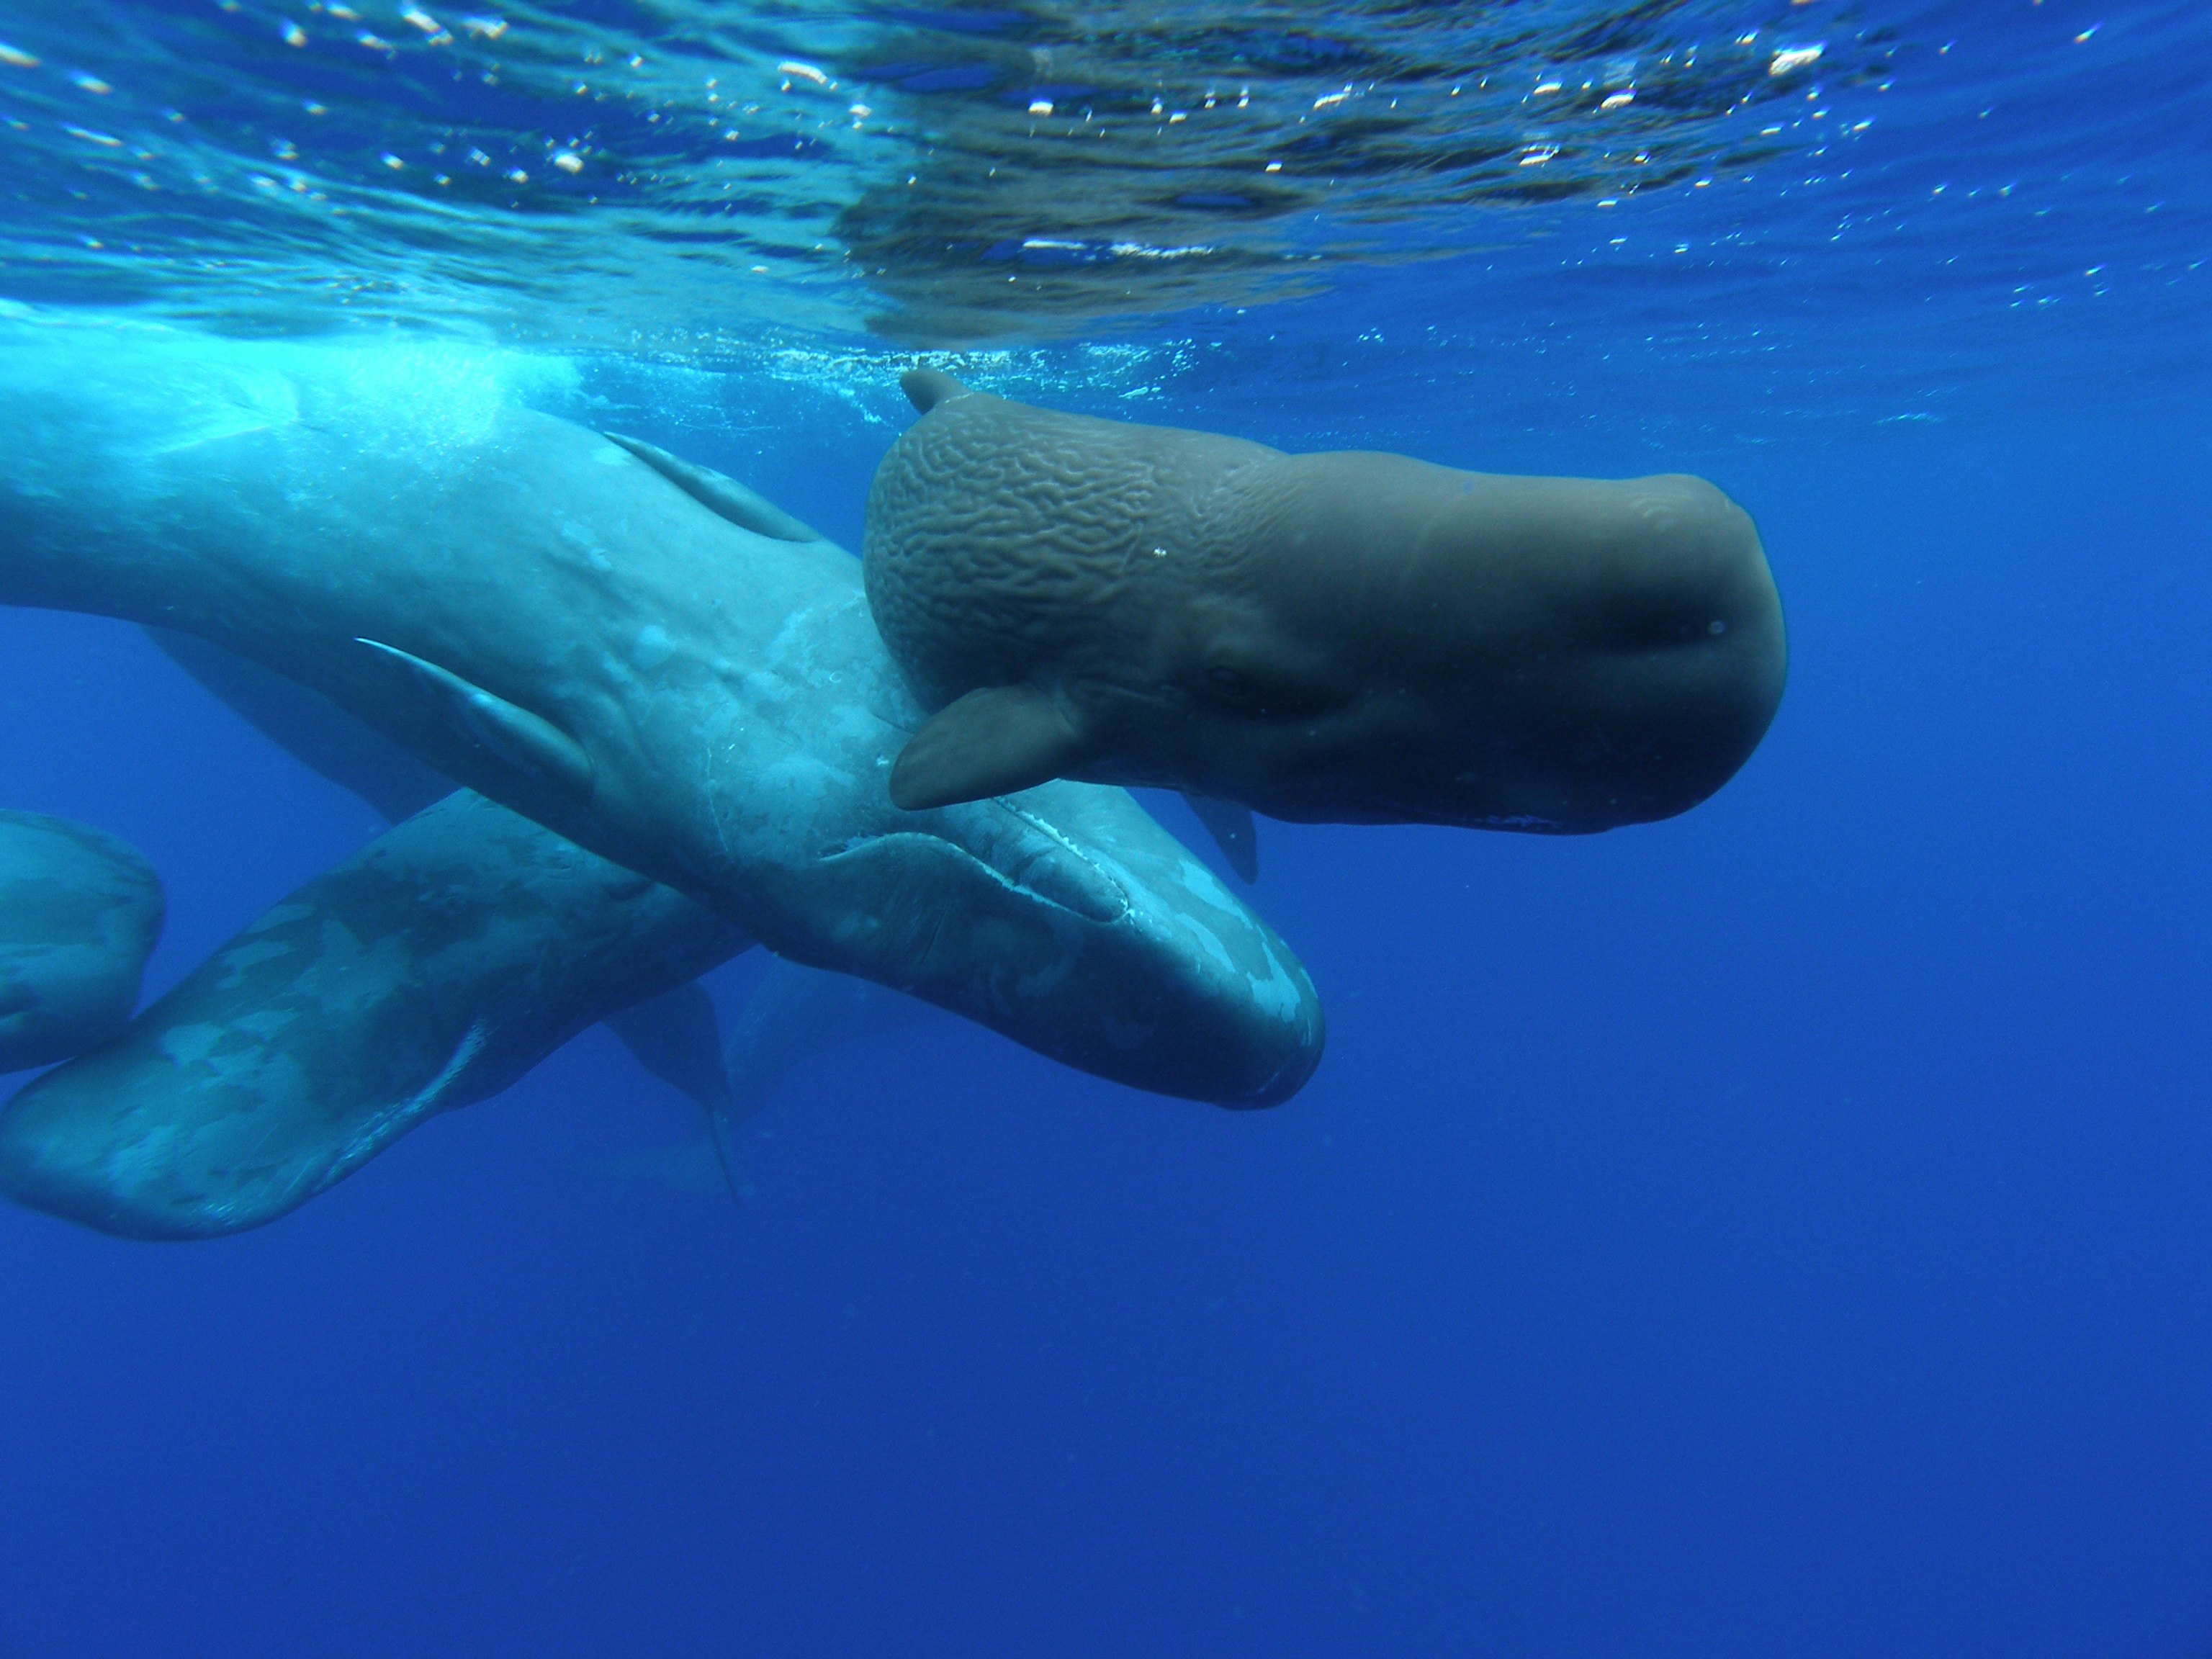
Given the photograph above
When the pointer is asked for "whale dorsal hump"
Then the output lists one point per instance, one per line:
(718, 493)
(1230, 823)
(925, 388)
(991, 742)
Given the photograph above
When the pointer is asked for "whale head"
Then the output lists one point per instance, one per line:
(1392, 640)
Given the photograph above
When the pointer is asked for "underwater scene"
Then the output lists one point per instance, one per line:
(1022, 829)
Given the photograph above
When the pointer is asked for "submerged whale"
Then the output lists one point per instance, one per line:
(1348, 637)
(794, 1014)
(612, 644)
(674, 1036)
(80, 912)
(430, 970)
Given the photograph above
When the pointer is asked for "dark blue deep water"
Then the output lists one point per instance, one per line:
(1782, 1230)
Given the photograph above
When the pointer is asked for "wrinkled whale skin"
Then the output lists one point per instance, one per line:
(429, 971)
(538, 612)
(1351, 637)
(80, 912)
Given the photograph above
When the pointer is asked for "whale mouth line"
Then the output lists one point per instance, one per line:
(1035, 873)
(1121, 904)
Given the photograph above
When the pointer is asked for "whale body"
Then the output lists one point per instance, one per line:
(430, 970)
(634, 654)
(674, 1036)
(80, 912)
(1349, 637)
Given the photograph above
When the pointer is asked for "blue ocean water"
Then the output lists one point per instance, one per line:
(1782, 1230)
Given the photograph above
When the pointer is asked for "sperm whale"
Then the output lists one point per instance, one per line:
(1349, 637)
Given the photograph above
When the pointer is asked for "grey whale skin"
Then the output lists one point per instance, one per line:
(1350, 637)
(586, 632)
(80, 912)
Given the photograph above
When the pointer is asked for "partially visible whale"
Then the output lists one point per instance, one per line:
(674, 1036)
(1349, 637)
(621, 650)
(80, 912)
(431, 970)
(793, 1014)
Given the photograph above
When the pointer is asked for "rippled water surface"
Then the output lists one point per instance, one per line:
(695, 180)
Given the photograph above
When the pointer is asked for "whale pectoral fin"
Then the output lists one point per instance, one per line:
(925, 388)
(991, 742)
(676, 1036)
(529, 743)
(1230, 823)
(718, 493)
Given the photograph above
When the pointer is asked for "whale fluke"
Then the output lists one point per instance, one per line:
(529, 743)
(720, 494)
(995, 741)
(925, 388)
(1233, 831)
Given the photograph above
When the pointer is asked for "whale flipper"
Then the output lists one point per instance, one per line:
(991, 742)
(1233, 831)
(798, 1013)
(720, 494)
(795, 1013)
(676, 1037)
(925, 388)
(529, 743)
(311, 728)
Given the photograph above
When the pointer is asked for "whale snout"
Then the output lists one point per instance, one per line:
(1551, 654)
(1648, 659)
(1678, 653)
